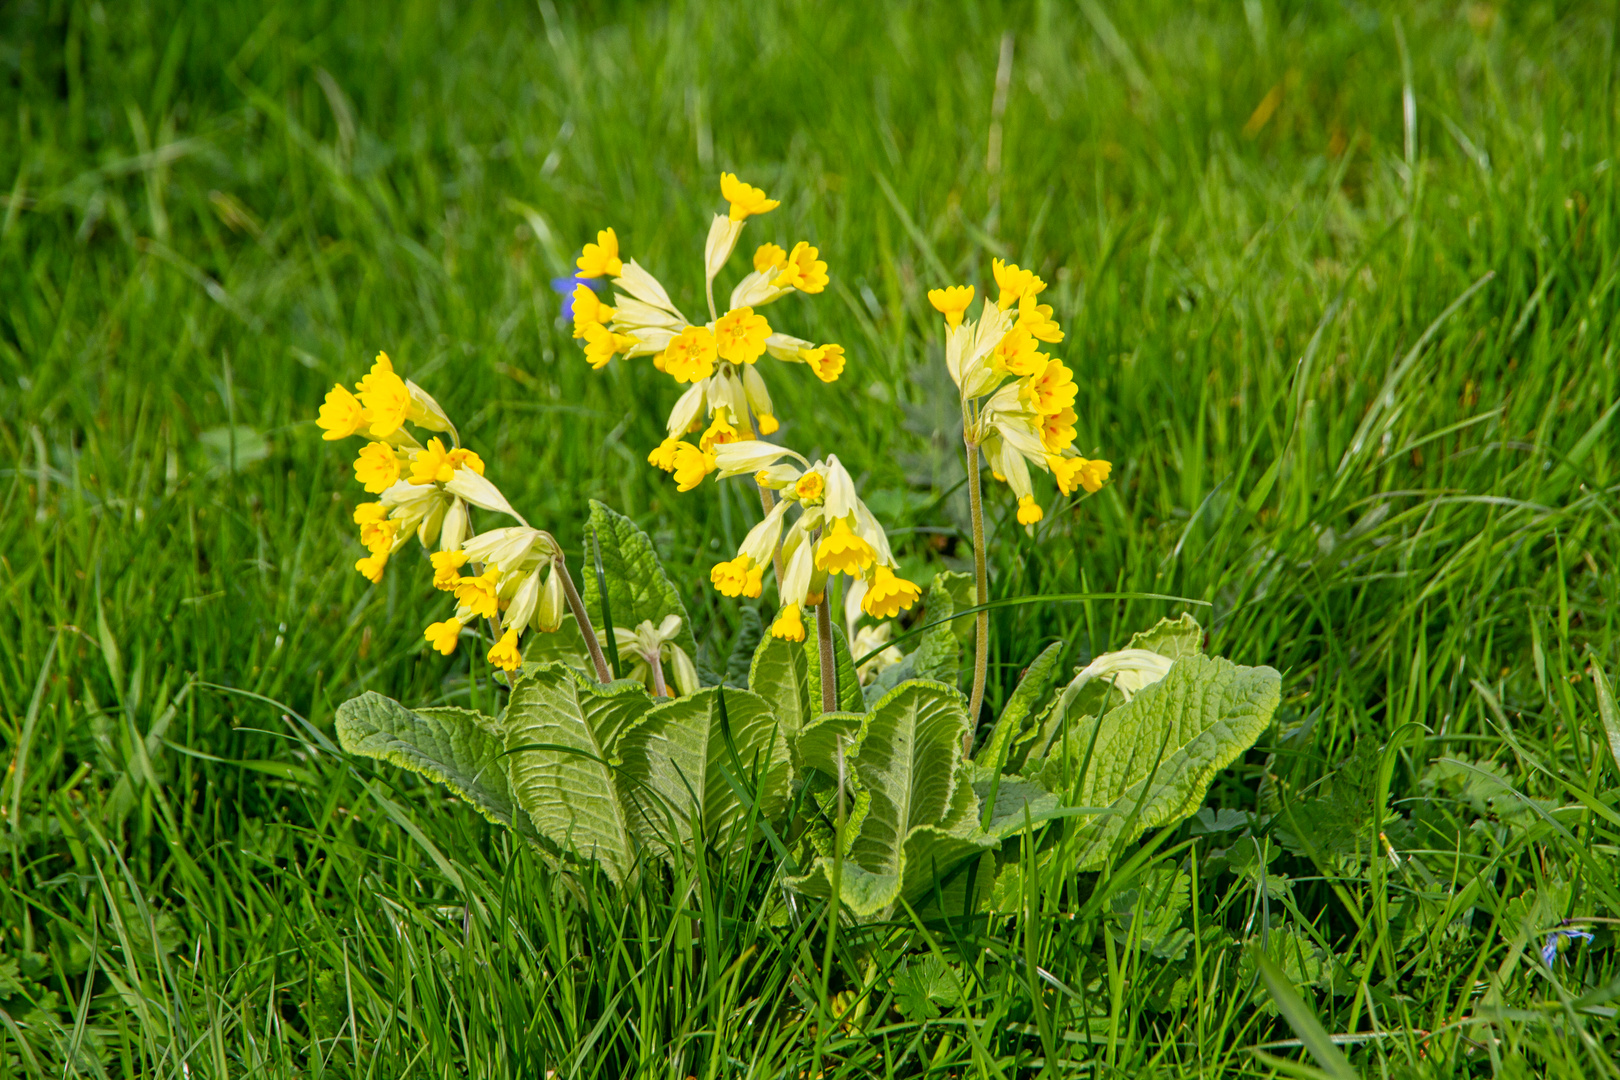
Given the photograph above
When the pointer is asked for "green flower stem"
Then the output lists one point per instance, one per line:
(577, 606)
(981, 582)
(829, 671)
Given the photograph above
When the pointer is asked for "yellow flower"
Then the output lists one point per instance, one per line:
(1015, 283)
(827, 361)
(479, 593)
(601, 257)
(804, 271)
(588, 309)
(768, 257)
(376, 531)
(438, 465)
(738, 577)
(386, 398)
(719, 431)
(372, 566)
(810, 488)
(1077, 472)
(887, 595)
(1050, 392)
(951, 302)
(445, 565)
(1094, 474)
(1057, 431)
(842, 552)
(740, 336)
(690, 355)
(663, 455)
(789, 625)
(1037, 319)
(745, 200)
(1017, 353)
(691, 466)
(443, 635)
(341, 414)
(377, 467)
(602, 344)
(768, 424)
(504, 654)
(1029, 512)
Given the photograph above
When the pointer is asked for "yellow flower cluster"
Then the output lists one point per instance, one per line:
(1017, 401)
(427, 490)
(726, 397)
(834, 533)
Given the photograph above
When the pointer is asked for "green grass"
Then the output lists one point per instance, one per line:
(1352, 353)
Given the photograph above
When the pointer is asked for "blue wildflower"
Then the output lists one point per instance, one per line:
(1549, 950)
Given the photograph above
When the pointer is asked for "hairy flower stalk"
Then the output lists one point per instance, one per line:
(518, 579)
(1017, 410)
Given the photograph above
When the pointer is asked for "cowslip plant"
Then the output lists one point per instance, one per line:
(865, 783)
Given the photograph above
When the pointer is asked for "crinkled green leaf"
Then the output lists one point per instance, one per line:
(1152, 759)
(780, 675)
(458, 748)
(740, 662)
(560, 734)
(1015, 718)
(850, 697)
(1174, 638)
(638, 589)
(679, 756)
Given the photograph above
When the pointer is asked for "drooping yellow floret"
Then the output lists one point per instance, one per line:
(691, 466)
(602, 257)
(377, 467)
(1051, 391)
(842, 552)
(789, 624)
(768, 257)
(663, 455)
(1029, 511)
(435, 464)
(720, 431)
(1037, 319)
(504, 654)
(951, 302)
(738, 577)
(887, 594)
(690, 355)
(767, 424)
(810, 488)
(386, 398)
(740, 335)
(341, 414)
(745, 199)
(1017, 354)
(478, 594)
(602, 344)
(376, 531)
(1015, 283)
(827, 361)
(588, 309)
(372, 566)
(445, 567)
(1094, 474)
(804, 270)
(443, 635)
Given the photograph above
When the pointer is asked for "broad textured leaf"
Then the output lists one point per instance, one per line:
(678, 756)
(740, 662)
(1035, 684)
(938, 654)
(921, 814)
(1174, 638)
(780, 675)
(850, 698)
(560, 733)
(638, 589)
(1154, 757)
(564, 645)
(458, 748)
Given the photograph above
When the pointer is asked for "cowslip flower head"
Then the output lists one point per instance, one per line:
(446, 568)
(690, 355)
(341, 415)
(1037, 319)
(479, 594)
(951, 302)
(386, 398)
(372, 566)
(1050, 391)
(1015, 284)
(803, 269)
(601, 257)
(378, 467)
(588, 309)
(442, 636)
(768, 257)
(788, 624)
(738, 577)
(436, 465)
(1073, 473)
(376, 531)
(827, 361)
(504, 654)
(887, 594)
(745, 199)
(739, 336)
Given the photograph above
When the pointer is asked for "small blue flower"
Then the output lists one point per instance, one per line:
(565, 288)
(1549, 950)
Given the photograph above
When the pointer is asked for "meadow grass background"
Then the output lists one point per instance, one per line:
(1339, 285)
